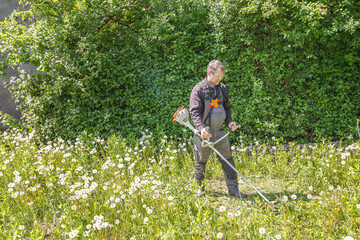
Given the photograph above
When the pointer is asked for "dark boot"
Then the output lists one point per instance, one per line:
(238, 195)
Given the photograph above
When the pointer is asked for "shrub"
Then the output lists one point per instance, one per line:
(121, 67)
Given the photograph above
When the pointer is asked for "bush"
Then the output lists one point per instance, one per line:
(120, 68)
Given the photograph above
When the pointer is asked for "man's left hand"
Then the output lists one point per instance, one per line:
(233, 126)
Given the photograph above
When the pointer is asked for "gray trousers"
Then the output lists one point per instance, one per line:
(202, 155)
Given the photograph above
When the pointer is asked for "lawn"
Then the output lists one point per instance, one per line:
(118, 188)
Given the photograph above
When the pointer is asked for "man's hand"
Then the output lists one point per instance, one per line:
(233, 126)
(205, 134)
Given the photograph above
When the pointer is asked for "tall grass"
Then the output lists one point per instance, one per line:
(116, 189)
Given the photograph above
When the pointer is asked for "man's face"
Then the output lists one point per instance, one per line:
(215, 79)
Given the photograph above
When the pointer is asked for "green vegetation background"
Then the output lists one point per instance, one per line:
(111, 67)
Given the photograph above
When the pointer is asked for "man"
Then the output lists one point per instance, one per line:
(210, 107)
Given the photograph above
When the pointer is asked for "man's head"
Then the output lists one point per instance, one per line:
(215, 72)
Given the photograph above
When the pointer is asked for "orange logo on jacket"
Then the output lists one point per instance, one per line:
(214, 103)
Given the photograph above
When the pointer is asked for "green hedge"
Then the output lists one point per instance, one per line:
(297, 67)
(124, 66)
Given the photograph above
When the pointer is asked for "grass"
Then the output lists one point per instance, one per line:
(112, 189)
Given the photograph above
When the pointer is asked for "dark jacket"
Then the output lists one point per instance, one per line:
(202, 92)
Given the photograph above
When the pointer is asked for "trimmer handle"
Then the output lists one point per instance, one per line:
(229, 131)
(206, 141)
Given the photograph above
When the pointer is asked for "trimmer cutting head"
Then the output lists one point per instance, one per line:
(272, 204)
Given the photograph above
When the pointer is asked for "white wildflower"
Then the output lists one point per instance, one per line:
(72, 234)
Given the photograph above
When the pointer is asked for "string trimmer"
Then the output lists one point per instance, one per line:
(182, 116)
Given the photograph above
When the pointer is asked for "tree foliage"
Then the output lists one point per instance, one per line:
(121, 66)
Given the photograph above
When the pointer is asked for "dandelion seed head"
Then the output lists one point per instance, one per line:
(262, 230)
(222, 208)
(219, 235)
(104, 225)
(72, 234)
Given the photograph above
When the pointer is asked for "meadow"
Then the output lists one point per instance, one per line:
(117, 188)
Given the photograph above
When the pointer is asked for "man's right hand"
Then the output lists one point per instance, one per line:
(205, 134)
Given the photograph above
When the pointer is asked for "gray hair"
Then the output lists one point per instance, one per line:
(215, 65)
